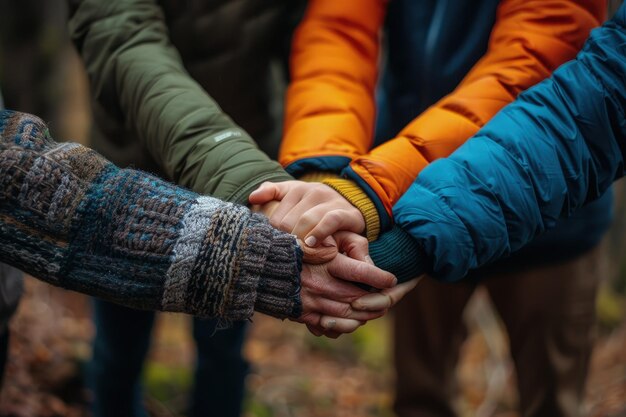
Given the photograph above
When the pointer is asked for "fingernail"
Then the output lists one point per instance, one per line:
(310, 241)
(395, 281)
(330, 324)
(369, 260)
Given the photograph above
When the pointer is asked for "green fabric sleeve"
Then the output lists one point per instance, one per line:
(137, 75)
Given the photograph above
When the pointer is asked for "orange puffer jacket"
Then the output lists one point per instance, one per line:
(331, 111)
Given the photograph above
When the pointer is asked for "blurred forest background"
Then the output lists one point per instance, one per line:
(293, 373)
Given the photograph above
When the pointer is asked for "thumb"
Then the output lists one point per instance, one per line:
(318, 255)
(386, 298)
(267, 192)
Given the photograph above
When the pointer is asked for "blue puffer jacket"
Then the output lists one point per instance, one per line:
(445, 39)
(557, 148)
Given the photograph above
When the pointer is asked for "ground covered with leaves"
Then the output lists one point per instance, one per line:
(293, 374)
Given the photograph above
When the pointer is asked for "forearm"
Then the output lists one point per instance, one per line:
(73, 219)
(137, 75)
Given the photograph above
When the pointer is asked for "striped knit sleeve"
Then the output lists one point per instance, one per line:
(73, 219)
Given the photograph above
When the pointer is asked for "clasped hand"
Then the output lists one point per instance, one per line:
(335, 257)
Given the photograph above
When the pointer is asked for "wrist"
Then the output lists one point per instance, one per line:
(359, 199)
(278, 289)
(399, 253)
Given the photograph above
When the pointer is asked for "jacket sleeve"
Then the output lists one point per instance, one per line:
(73, 219)
(330, 109)
(138, 77)
(530, 39)
(559, 146)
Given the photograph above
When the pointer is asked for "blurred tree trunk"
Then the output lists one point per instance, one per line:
(617, 240)
(40, 72)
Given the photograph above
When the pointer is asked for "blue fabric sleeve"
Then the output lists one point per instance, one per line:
(558, 146)
(397, 252)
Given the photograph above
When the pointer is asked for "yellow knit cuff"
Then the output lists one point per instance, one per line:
(357, 197)
(318, 176)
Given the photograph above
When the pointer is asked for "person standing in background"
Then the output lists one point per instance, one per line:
(448, 67)
(233, 51)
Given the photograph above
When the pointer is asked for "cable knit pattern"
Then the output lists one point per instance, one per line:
(278, 273)
(72, 218)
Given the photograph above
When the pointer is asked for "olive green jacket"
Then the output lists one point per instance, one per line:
(138, 82)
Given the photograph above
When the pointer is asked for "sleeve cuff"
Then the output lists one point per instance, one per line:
(397, 252)
(278, 291)
(359, 199)
(318, 176)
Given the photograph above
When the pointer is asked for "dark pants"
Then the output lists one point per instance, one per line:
(120, 347)
(549, 315)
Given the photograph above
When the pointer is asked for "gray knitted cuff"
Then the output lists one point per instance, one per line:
(256, 242)
(218, 258)
(278, 292)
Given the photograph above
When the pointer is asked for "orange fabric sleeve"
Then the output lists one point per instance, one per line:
(530, 39)
(330, 109)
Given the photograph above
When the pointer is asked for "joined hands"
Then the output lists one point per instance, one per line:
(335, 256)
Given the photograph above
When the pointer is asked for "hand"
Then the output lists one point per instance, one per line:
(327, 297)
(380, 302)
(265, 209)
(351, 243)
(354, 245)
(311, 211)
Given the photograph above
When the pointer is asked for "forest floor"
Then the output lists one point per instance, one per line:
(293, 373)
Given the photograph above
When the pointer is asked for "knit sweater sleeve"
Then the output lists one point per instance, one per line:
(73, 219)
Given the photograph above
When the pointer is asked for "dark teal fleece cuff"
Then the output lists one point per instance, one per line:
(397, 252)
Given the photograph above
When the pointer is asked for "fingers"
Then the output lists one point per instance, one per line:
(292, 217)
(385, 299)
(353, 245)
(316, 280)
(319, 255)
(268, 191)
(318, 223)
(337, 309)
(315, 330)
(332, 327)
(350, 269)
(398, 292)
(320, 331)
(339, 325)
(324, 324)
(287, 204)
(265, 209)
(306, 208)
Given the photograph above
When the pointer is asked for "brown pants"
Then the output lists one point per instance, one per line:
(549, 314)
